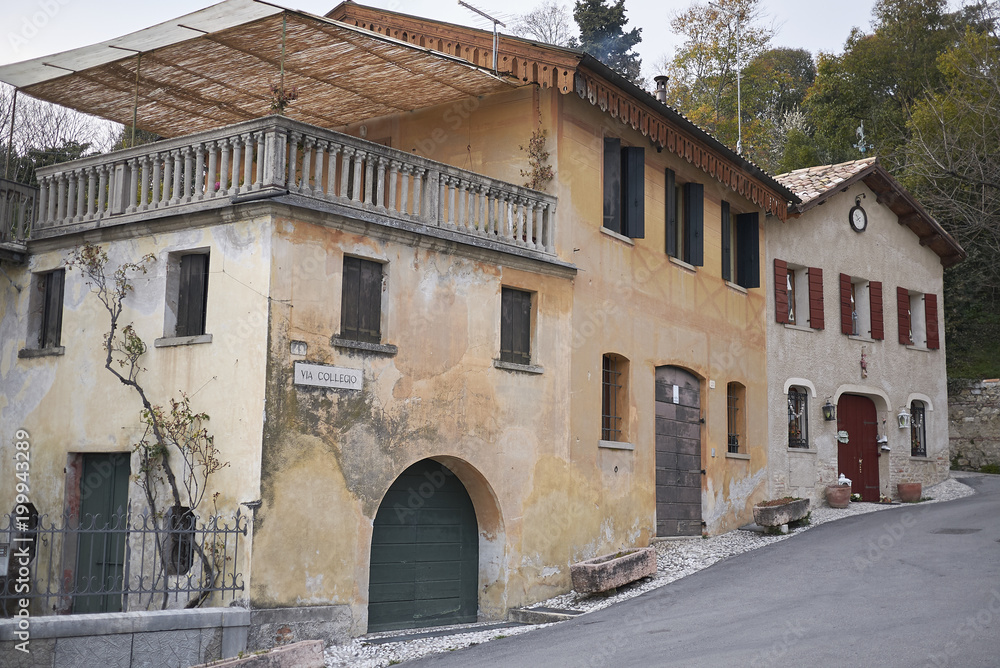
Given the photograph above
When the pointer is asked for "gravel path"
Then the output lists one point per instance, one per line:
(675, 559)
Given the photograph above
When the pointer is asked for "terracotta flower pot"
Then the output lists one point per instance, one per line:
(909, 492)
(838, 496)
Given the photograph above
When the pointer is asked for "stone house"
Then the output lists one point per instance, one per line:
(857, 381)
(436, 388)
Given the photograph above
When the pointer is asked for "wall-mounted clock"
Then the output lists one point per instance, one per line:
(857, 217)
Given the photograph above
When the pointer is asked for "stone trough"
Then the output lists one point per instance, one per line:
(611, 571)
(776, 516)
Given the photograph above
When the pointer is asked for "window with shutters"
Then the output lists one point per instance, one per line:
(918, 431)
(515, 326)
(624, 189)
(916, 314)
(614, 398)
(186, 298)
(798, 417)
(736, 395)
(798, 294)
(861, 308)
(685, 220)
(45, 310)
(740, 247)
(361, 301)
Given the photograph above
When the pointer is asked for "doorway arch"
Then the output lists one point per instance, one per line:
(424, 566)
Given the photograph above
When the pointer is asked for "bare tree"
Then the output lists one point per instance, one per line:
(549, 23)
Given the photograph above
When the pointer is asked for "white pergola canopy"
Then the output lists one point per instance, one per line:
(216, 66)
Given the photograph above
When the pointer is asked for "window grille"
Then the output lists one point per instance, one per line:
(798, 419)
(734, 400)
(611, 409)
(918, 430)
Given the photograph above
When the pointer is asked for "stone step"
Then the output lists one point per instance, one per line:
(541, 615)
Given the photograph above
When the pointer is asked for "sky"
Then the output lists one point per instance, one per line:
(34, 28)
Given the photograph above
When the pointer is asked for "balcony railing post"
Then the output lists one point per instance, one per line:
(274, 158)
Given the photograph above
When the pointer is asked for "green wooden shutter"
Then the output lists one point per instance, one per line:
(612, 184)
(370, 302)
(192, 297)
(671, 212)
(350, 294)
(634, 191)
(727, 248)
(748, 250)
(51, 330)
(694, 224)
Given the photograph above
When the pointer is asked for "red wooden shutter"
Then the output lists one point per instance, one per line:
(903, 313)
(846, 324)
(875, 299)
(780, 290)
(931, 317)
(816, 320)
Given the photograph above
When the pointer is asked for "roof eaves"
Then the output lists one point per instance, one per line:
(680, 119)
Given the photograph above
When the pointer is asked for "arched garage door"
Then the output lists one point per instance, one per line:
(425, 552)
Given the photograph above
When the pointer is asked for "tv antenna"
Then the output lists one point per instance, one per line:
(496, 22)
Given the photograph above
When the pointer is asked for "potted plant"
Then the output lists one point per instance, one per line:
(909, 492)
(839, 495)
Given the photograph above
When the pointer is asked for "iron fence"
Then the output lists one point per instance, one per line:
(121, 562)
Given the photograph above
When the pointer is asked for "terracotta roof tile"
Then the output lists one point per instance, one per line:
(811, 182)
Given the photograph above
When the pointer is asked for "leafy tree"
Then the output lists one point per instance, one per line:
(602, 35)
(954, 169)
(877, 79)
(548, 23)
(703, 83)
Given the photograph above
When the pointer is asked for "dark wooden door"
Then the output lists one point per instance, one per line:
(425, 552)
(858, 458)
(100, 555)
(678, 452)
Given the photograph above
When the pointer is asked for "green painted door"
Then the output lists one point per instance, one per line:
(101, 553)
(425, 552)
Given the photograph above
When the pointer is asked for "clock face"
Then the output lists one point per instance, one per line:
(859, 219)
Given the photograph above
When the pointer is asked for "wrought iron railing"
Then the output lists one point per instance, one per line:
(123, 562)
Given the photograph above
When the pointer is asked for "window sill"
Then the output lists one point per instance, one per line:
(378, 348)
(737, 455)
(865, 339)
(615, 445)
(920, 458)
(514, 366)
(737, 288)
(30, 353)
(682, 264)
(922, 349)
(800, 328)
(171, 341)
(615, 235)
(805, 451)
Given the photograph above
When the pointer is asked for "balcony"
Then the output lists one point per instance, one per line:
(17, 210)
(294, 163)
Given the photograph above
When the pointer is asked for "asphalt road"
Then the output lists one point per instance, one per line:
(910, 586)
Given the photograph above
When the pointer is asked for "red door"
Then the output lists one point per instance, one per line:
(858, 458)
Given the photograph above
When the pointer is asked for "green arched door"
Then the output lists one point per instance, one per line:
(425, 552)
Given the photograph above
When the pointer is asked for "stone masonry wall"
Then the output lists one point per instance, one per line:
(974, 423)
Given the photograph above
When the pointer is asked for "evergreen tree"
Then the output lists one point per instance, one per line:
(602, 35)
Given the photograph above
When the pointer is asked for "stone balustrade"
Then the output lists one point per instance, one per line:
(17, 210)
(273, 156)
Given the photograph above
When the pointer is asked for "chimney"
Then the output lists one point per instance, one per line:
(661, 88)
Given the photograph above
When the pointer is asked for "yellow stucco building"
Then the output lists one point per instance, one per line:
(435, 388)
